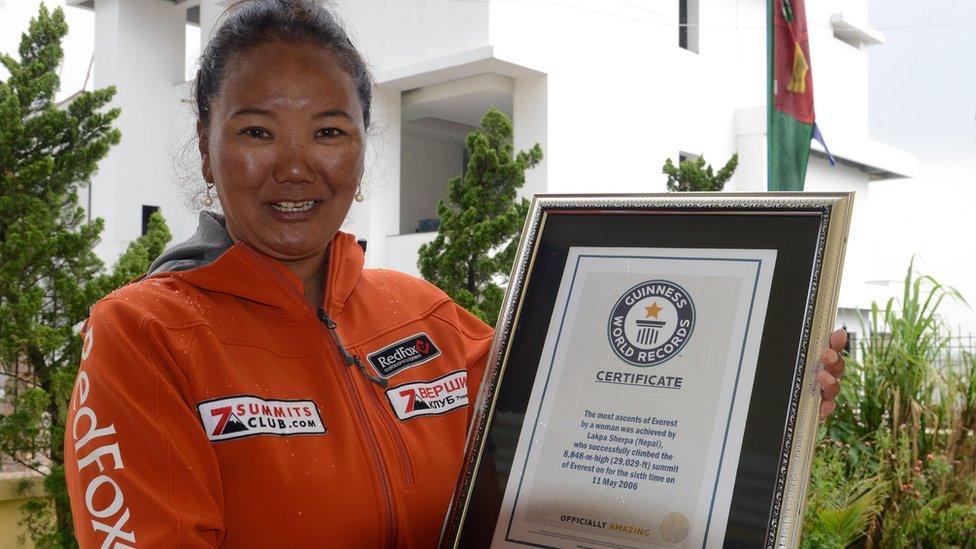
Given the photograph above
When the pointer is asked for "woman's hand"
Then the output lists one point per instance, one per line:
(832, 359)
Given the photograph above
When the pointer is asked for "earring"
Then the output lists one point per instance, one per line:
(208, 200)
(359, 194)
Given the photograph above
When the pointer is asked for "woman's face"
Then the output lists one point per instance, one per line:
(285, 148)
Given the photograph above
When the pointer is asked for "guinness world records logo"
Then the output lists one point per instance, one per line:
(651, 323)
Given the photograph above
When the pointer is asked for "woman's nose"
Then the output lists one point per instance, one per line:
(293, 165)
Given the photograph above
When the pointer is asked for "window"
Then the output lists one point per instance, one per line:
(683, 156)
(688, 25)
(147, 211)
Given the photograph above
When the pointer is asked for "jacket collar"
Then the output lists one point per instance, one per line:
(211, 261)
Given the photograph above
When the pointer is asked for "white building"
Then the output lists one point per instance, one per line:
(609, 89)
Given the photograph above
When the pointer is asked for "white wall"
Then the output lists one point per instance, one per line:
(379, 215)
(395, 33)
(840, 72)
(139, 47)
(530, 122)
(401, 251)
(750, 52)
(622, 96)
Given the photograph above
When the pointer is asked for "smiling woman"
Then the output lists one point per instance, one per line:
(259, 387)
(282, 101)
(284, 147)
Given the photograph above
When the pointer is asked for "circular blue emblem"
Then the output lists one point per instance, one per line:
(651, 323)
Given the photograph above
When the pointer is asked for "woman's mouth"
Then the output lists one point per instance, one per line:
(293, 207)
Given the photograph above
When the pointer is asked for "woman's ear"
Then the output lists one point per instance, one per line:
(203, 143)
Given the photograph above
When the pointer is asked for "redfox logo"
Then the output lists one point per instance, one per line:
(104, 498)
(243, 416)
(412, 351)
(428, 398)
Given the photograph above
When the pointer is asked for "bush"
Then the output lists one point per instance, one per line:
(899, 455)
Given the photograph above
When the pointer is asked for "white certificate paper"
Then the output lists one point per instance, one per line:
(634, 426)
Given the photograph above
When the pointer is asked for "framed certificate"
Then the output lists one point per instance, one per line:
(652, 382)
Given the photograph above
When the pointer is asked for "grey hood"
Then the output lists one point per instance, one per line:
(208, 243)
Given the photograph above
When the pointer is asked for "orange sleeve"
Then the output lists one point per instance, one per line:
(140, 470)
(478, 336)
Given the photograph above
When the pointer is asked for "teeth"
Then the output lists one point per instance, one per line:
(293, 206)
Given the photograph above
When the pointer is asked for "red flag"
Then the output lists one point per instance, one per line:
(791, 120)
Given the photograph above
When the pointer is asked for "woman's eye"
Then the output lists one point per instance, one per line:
(257, 133)
(329, 132)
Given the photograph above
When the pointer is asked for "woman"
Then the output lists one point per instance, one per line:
(259, 387)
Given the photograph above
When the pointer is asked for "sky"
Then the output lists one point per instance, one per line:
(923, 93)
(922, 100)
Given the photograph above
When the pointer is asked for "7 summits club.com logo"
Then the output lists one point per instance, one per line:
(430, 398)
(244, 416)
(651, 323)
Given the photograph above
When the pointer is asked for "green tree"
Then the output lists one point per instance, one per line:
(49, 274)
(695, 175)
(481, 216)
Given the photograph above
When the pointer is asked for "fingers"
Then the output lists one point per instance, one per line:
(838, 340)
(826, 407)
(829, 387)
(833, 362)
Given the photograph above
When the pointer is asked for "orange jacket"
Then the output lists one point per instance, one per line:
(214, 407)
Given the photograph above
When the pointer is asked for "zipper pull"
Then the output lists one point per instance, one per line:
(347, 358)
(329, 323)
(377, 380)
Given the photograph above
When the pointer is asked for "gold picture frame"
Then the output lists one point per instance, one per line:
(806, 232)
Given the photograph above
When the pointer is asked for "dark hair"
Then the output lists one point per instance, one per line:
(254, 22)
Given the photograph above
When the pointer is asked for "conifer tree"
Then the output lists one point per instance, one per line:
(695, 175)
(481, 217)
(49, 274)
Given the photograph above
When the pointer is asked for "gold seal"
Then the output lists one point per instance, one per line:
(674, 528)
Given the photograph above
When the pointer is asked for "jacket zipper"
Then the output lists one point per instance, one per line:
(377, 458)
(349, 359)
(406, 464)
(351, 390)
